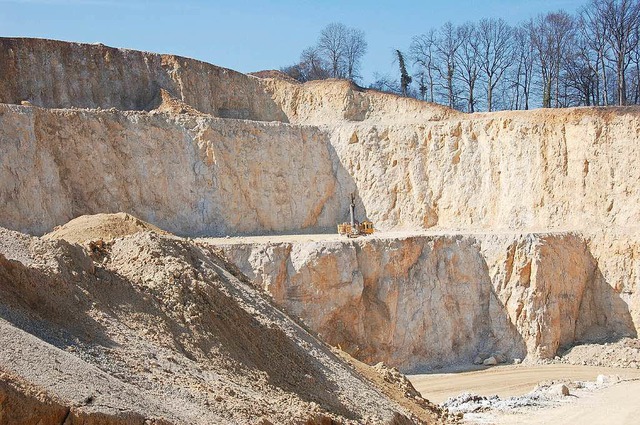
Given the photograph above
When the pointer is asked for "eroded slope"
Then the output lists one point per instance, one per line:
(153, 328)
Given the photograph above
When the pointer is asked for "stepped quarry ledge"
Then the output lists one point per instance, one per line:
(523, 234)
(432, 299)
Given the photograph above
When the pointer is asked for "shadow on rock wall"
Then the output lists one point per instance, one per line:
(604, 315)
(346, 185)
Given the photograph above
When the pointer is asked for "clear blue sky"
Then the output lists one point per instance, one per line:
(252, 35)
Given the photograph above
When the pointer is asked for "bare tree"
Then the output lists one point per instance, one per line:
(467, 61)
(495, 44)
(522, 76)
(634, 88)
(540, 39)
(580, 79)
(337, 54)
(355, 48)
(621, 19)
(332, 45)
(446, 47)
(592, 29)
(312, 66)
(422, 53)
(590, 58)
(551, 35)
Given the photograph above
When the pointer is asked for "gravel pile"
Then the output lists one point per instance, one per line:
(623, 353)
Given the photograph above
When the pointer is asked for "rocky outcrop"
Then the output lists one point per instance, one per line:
(56, 74)
(435, 300)
(187, 174)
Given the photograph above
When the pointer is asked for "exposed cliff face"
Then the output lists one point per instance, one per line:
(412, 164)
(187, 146)
(512, 170)
(428, 301)
(187, 174)
(283, 178)
(411, 302)
(617, 252)
(55, 74)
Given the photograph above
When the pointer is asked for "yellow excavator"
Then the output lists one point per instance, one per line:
(355, 229)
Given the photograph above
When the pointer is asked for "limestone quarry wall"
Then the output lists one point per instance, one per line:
(561, 170)
(411, 164)
(436, 300)
(579, 172)
(56, 74)
(201, 150)
(187, 174)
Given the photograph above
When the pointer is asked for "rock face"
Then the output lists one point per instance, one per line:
(436, 300)
(578, 170)
(410, 302)
(55, 74)
(187, 174)
(535, 213)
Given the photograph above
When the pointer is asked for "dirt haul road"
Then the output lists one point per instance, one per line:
(507, 381)
(617, 404)
(391, 234)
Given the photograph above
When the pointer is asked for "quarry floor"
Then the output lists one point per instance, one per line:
(617, 404)
(508, 380)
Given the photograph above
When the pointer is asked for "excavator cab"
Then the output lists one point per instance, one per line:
(366, 227)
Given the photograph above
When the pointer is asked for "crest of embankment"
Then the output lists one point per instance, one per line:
(55, 74)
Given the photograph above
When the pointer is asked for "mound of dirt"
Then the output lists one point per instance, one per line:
(160, 331)
(275, 74)
(105, 227)
(166, 102)
(623, 353)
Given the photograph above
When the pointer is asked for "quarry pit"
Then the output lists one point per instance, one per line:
(168, 251)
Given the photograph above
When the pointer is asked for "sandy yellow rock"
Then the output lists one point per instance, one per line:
(537, 244)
